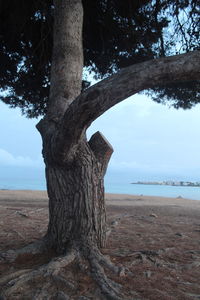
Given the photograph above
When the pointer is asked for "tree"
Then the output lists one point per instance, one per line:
(116, 34)
(75, 167)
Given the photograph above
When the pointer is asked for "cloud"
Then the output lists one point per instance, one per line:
(154, 167)
(8, 159)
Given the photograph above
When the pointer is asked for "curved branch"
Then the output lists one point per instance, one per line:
(100, 97)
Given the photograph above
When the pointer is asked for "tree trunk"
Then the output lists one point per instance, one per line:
(75, 168)
(67, 59)
(76, 195)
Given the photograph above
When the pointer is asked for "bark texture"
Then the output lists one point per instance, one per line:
(74, 167)
(67, 60)
(129, 81)
(76, 194)
(75, 171)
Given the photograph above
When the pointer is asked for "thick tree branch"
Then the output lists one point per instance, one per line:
(100, 97)
(67, 60)
(102, 149)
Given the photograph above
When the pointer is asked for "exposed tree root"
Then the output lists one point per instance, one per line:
(97, 261)
(53, 281)
(18, 280)
(37, 247)
(96, 255)
(12, 276)
(42, 293)
(108, 288)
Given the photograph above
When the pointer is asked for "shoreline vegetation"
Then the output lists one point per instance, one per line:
(170, 183)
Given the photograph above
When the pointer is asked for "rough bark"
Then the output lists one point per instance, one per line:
(129, 81)
(67, 60)
(76, 197)
(74, 167)
(50, 280)
(74, 178)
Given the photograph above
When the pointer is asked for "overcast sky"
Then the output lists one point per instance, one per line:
(150, 140)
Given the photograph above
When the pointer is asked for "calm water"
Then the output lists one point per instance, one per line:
(155, 190)
(23, 184)
(120, 188)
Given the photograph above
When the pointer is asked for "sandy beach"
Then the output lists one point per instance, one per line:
(157, 238)
(22, 196)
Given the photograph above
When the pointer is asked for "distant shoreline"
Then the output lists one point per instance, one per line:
(122, 199)
(39, 199)
(169, 183)
(173, 192)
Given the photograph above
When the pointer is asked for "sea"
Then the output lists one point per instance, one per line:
(192, 193)
(20, 183)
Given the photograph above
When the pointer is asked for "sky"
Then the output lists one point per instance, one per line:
(151, 142)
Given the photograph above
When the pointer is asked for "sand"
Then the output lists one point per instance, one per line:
(157, 238)
(30, 197)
